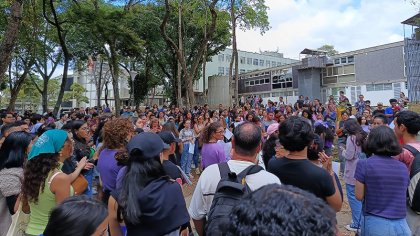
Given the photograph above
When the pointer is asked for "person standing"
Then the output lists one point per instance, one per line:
(360, 105)
(382, 181)
(188, 139)
(212, 152)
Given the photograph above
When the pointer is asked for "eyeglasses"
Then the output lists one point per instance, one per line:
(219, 131)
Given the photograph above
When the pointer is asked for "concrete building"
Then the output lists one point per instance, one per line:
(247, 61)
(376, 72)
(412, 57)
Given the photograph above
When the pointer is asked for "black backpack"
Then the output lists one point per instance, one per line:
(231, 188)
(413, 192)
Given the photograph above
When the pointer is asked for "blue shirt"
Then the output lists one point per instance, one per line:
(389, 111)
(386, 181)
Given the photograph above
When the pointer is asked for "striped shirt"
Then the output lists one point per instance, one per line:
(386, 181)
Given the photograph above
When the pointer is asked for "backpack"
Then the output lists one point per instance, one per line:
(413, 192)
(231, 188)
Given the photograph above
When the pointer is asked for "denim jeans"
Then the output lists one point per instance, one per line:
(355, 206)
(196, 154)
(89, 177)
(378, 226)
(186, 159)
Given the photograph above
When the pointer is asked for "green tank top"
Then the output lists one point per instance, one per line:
(40, 211)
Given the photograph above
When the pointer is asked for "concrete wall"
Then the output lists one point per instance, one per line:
(219, 91)
(380, 66)
(310, 83)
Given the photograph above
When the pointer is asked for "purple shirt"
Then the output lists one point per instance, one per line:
(212, 153)
(108, 169)
(386, 181)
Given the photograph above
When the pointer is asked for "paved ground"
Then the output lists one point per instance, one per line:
(343, 217)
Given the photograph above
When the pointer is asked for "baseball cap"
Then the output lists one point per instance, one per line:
(168, 138)
(150, 144)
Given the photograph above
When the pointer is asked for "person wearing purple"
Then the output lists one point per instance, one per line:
(212, 152)
(382, 182)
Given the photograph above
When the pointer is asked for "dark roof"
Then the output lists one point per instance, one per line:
(414, 20)
(308, 51)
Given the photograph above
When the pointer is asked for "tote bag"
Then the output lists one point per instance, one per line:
(20, 221)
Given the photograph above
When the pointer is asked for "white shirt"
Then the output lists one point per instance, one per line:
(209, 179)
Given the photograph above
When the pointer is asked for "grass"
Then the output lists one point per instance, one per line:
(414, 107)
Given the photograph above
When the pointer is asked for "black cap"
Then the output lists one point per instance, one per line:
(150, 144)
(168, 137)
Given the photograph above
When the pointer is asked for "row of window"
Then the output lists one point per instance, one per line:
(379, 87)
(257, 82)
(337, 70)
(344, 60)
(250, 61)
(278, 82)
(225, 71)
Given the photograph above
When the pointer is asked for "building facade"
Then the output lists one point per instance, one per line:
(376, 72)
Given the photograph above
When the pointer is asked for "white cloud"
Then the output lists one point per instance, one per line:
(346, 24)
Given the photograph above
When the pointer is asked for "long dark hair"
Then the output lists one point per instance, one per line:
(35, 173)
(76, 126)
(13, 151)
(140, 172)
(269, 148)
(76, 216)
(352, 127)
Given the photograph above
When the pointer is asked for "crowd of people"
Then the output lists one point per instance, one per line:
(262, 170)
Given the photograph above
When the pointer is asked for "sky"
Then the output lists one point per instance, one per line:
(346, 24)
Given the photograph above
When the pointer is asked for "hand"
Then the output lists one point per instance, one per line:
(326, 162)
(89, 166)
(82, 163)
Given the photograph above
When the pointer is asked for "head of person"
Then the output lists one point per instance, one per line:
(379, 119)
(307, 114)
(215, 131)
(48, 151)
(270, 148)
(315, 147)
(80, 131)
(382, 141)
(7, 117)
(270, 115)
(407, 122)
(361, 97)
(282, 118)
(345, 115)
(295, 134)
(143, 166)
(246, 141)
(393, 102)
(170, 140)
(14, 150)
(79, 215)
(380, 106)
(187, 124)
(250, 117)
(362, 120)
(117, 132)
(274, 209)
(171, 127)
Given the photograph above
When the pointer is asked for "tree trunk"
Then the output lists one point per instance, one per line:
(44, 96)
(179, 74)
(98, 84)
(63, 84)
(106, 94)
(10, 37)
(233, 79)
(114, 67)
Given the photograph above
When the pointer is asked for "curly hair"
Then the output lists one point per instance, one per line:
(280, 210)
(36, 172)
(115, 133)
(208, 131)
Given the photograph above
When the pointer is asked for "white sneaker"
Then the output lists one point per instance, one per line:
(350, 228)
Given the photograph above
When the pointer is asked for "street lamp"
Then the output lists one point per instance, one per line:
(132, 76)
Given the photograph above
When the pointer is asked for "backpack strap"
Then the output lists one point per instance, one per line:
(224, 170)
(412, 149)
(252, 169)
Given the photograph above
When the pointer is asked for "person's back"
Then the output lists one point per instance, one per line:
(295, 134)
(304, 175)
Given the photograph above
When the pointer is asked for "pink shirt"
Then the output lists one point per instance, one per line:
(406, 156)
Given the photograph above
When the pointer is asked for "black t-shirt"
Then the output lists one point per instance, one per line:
(377, 112)
(304, 175)
(171, 170)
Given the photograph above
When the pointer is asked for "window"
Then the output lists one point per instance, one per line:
(267, 63)
(388, 86)
(278, 63)
(273, 63)
(241, 71)
(370, 87)
(221, 70)
(344, 60)
(350, 59)
(261, 62)
(282, 82)
(378, 87)
(348, 69)
(228, 58)
(227, 70)
(335, 71)
(242, 60)
(249, 61)
(257, 82)
(251, 83)
(267, 81)
(337, 61)
(221, 57)
(255, 62)
(246, 83)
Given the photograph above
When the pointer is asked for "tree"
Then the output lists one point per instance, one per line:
(190, 70)
(76, 93)
(10, 37)
(247, 14)
(329, 49)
